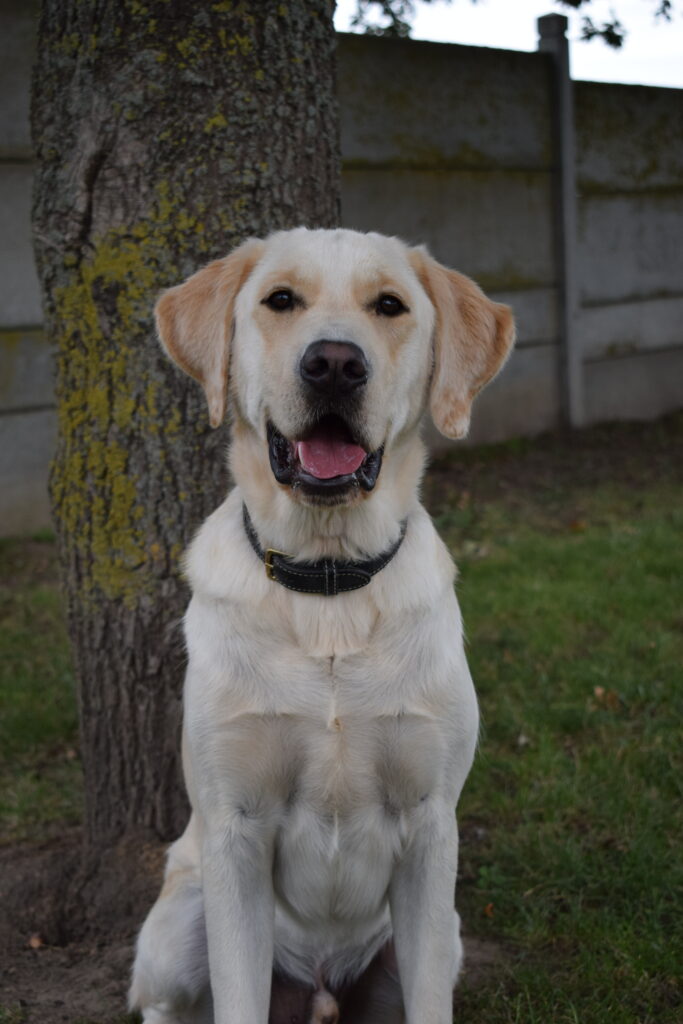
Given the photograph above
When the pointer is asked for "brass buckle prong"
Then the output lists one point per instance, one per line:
(268, 560)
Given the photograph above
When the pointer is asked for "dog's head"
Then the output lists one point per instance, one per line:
(335, 342)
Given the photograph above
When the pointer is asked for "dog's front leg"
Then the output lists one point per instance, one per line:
(239, 907)
(426, 932)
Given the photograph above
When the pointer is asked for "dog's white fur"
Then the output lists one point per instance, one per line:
(326, 740)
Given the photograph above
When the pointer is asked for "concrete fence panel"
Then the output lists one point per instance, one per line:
(630, 243)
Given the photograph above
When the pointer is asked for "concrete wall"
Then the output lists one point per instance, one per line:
(456, 147)
(27, 417)
(630, 182)
(451, 145)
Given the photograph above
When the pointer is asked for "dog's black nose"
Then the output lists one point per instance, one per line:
(334, 366)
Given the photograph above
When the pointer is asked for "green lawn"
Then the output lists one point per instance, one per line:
(571, 578)
(572, 819)
(40, 778)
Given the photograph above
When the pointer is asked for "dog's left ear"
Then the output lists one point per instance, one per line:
(472, 339)
(194, 322)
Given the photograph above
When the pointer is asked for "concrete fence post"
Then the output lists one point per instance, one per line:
(552, 29)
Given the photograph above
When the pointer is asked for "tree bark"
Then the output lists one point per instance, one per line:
(166, 131)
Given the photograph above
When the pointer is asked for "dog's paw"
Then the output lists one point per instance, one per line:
(324, 1008)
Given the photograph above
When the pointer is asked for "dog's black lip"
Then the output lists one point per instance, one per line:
(287, 470)
(333, 484)
(280, 454)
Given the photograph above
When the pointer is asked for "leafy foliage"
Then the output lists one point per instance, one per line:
(398, 15)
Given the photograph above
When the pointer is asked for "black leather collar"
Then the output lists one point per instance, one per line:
(327, 577)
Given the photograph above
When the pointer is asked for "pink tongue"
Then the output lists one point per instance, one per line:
(325, 457)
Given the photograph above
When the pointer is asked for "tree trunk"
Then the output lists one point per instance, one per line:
(166, 131)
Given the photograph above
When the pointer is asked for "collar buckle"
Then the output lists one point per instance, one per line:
(268, 561)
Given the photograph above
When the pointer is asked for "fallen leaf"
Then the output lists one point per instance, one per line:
(607, 700)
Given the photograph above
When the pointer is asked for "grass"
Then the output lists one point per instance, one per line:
(571, 564)
(40, 778)
(572, 817)
(12, 1015)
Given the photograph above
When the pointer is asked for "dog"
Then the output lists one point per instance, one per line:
(330, 719)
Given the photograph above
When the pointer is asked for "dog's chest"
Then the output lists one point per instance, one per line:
(285, 728)
(320, 738)
(340, 790)
(336, 756)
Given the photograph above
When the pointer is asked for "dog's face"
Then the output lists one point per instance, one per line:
(331, 358)
(335, 342)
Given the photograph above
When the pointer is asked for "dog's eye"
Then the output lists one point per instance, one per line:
(280, 300)
(390, 305)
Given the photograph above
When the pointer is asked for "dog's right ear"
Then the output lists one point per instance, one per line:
(194, 322)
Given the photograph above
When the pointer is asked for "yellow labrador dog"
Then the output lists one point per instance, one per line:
(330, 718)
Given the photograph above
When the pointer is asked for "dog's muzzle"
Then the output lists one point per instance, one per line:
(329, 460)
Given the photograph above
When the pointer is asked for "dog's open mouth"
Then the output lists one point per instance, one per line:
(326, 462)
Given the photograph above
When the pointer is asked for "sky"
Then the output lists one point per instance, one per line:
(651, 55)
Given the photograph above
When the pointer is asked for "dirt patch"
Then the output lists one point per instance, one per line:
(69, 924)
(33, 561)
(632, 453)
(75, 983)
(483, 957)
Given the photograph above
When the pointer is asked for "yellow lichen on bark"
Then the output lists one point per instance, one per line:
(96, 493)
